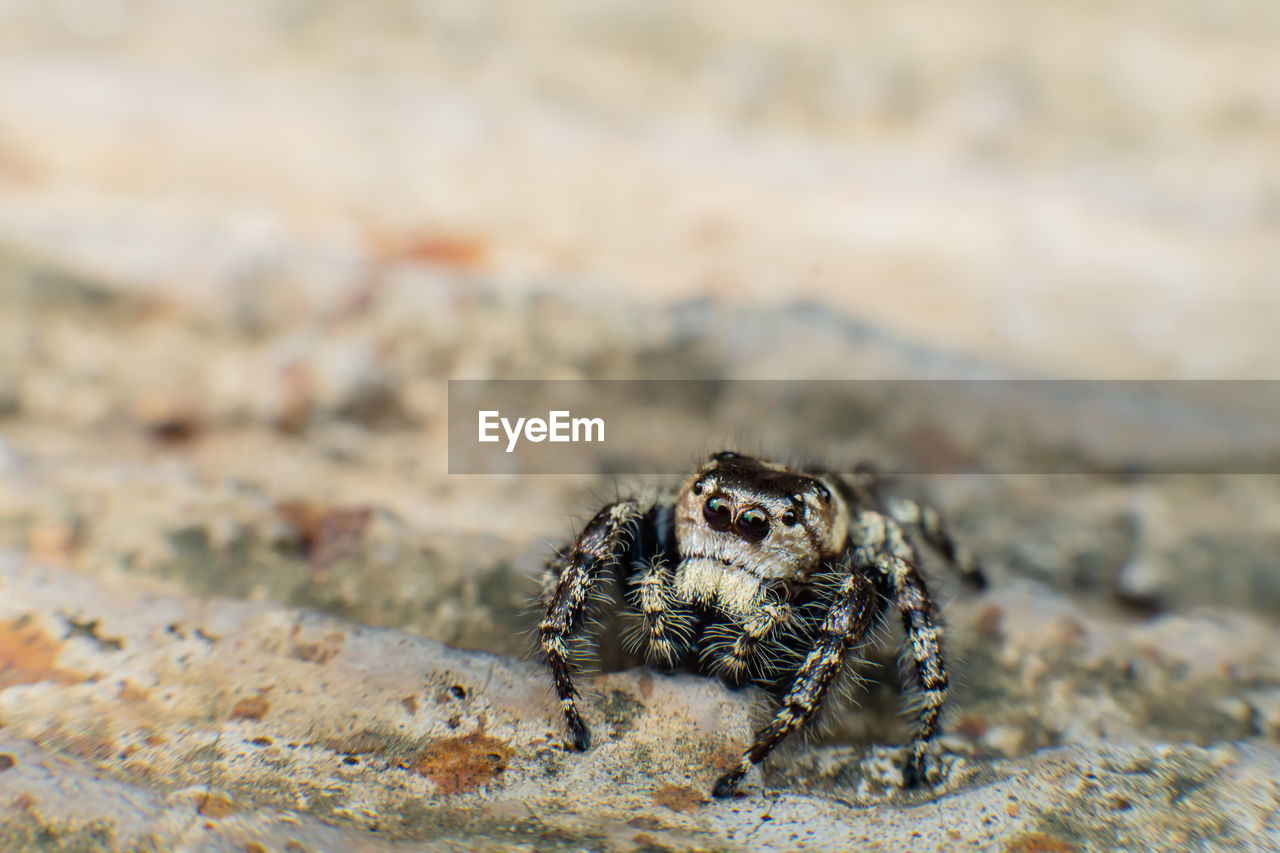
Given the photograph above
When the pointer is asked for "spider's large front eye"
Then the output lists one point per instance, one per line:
(754, 524)
(716, 512)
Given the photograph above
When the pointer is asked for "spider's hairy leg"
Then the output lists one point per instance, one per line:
(665, 627)
(928, 524)
(602, 544)
(882, 547)
(846, 622)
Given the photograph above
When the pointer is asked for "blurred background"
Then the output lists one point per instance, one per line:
(243, 245)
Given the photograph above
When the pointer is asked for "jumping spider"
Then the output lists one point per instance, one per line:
(772, 575)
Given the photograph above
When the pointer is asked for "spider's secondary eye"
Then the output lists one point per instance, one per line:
(789, 518)
(823, 492)
(716, 512)
(754, 524)
(697, 488)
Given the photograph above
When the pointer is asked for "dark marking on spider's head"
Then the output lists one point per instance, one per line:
(759, 516)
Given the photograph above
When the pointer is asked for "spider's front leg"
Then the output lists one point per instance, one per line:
(846, 622)
(883, 549)
(603, 544)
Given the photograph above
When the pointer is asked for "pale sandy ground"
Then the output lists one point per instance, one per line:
(1072, 191)
(242, 245)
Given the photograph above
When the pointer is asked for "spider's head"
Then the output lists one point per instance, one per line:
(757, 516)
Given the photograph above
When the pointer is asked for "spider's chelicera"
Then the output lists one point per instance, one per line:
(756, 572)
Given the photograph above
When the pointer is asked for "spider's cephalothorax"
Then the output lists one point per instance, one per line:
(758, 573)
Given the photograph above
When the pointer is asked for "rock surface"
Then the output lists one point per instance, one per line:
(1114, 686)
(212, 724)
(244, 607)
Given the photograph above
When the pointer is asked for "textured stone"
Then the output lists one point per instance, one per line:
(136, 717)
(243, 606)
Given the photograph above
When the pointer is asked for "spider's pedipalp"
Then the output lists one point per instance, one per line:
(664, 630)
(748, 649)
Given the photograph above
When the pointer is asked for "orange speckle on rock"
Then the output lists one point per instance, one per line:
(1037, 842)
(214, 806)
(130, 692)
(460, 764)
(988, 623)
(971, 726)
(329, 647)
(678, 798)
(726, 757)
(444, 250)
(326, 534)
(27, 656)
(250, 708)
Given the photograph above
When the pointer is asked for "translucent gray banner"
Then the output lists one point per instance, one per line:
(646, 427)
